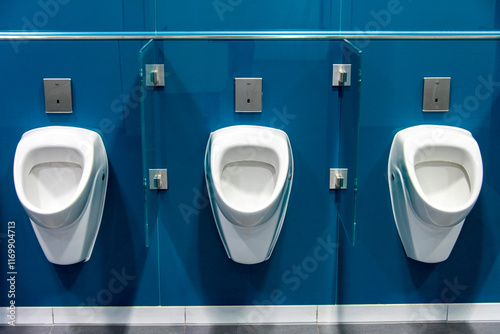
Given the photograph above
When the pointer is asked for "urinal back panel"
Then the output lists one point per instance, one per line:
(249, 172)
(445, 184)
(60, 176)
(248, 184)
(52, 185)
(434, 175)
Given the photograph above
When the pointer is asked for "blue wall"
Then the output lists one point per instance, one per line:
(198, 99)
(376, 269)
(101, 73)
(186, 263)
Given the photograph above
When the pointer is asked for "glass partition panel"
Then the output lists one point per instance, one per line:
(348, 140)
(219, 68)
(151, 134)
(150, 15)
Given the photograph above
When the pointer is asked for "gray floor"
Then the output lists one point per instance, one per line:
(394, 328)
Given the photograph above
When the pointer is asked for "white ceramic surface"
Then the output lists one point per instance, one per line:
(435, 175)
(249, 171)
(61, 176)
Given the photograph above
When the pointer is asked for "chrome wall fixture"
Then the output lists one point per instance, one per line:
(252, 35)
(158, 179)
(155, 75)
(341, 75)
(338, 178)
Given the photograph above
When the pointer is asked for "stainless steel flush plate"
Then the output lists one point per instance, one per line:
(436, 94)
(248, 94)
(57, 95)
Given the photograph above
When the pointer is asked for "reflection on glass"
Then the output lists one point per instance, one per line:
(348, 140)
(151, 157)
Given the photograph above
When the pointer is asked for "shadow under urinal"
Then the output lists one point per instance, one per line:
(457, 277)
(113, 252)
(68, 274)
(476, 248)
(240, 281)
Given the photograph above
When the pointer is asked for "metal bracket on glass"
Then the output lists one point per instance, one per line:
(341, 75)
(155, 75)
(338, 178)
(158, 179)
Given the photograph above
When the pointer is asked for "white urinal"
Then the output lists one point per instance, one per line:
(249, 171)
(61, 177)
(435, 175)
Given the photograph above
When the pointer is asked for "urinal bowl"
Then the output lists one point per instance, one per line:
(60, 176)
(249, 172)
(435, 176)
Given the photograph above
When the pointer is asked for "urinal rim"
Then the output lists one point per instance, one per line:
(29, 143)
(467, 144)
(282, 170)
